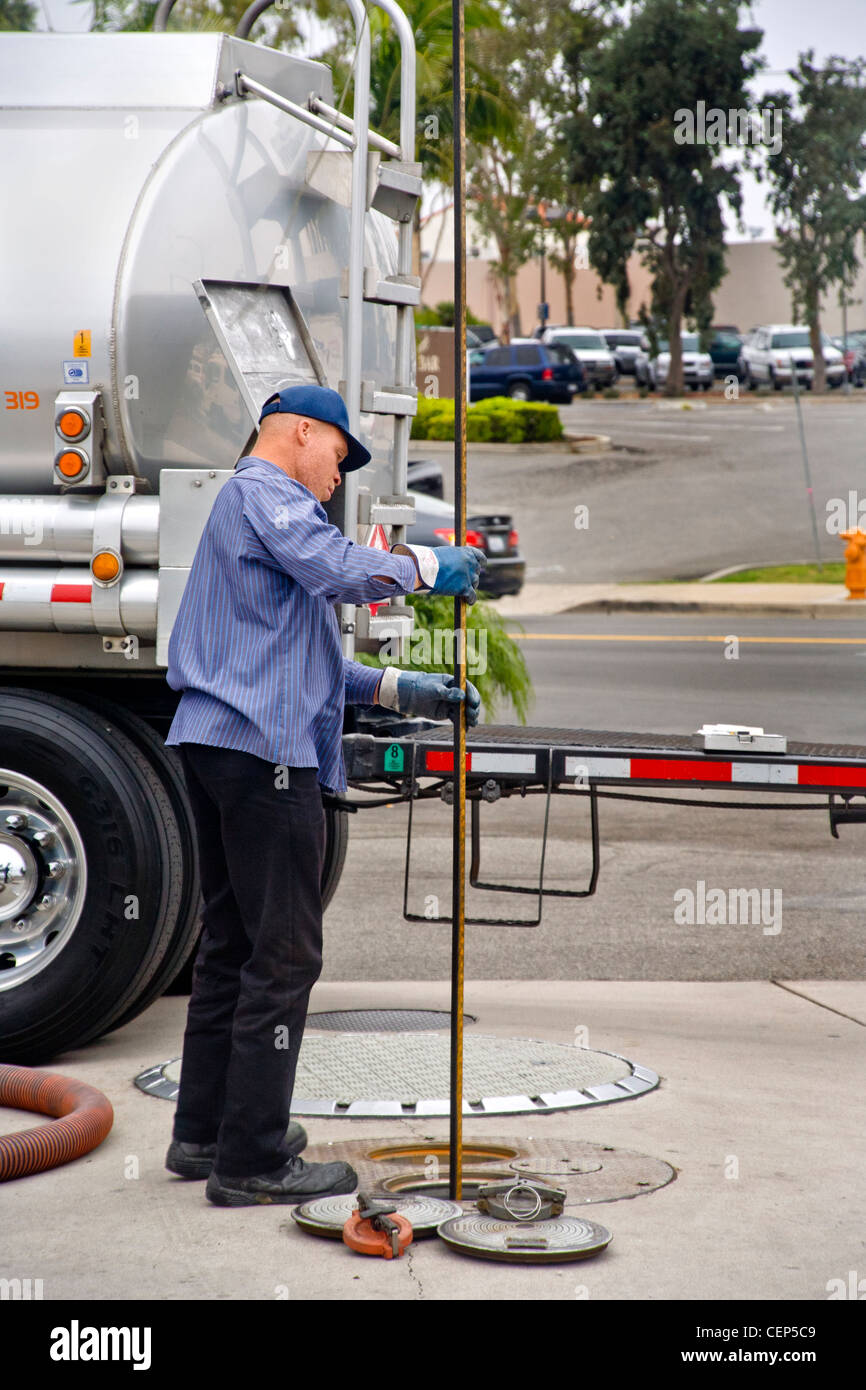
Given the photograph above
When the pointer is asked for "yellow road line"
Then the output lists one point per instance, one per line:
(641, 637)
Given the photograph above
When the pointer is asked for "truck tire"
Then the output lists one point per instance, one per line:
(93, 861)
(336, 844)
(177, 961)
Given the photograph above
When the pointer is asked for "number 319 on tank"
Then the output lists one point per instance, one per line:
(21, 400)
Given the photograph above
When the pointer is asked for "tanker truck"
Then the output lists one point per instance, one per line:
(189, 223)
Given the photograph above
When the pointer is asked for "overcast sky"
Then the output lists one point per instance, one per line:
(831, 27)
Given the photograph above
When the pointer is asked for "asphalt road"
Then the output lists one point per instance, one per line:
(800, 686)
(682, 493)
(671, 673)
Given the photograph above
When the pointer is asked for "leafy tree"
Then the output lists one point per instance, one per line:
(509, 176)
(816, 185)
(489, 107)
(215, 16)
(647, 190)
(17, 15)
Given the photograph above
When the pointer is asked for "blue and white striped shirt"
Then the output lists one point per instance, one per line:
(256, 644)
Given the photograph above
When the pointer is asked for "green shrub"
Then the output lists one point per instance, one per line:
(506, 676)
(643, 392)
(430, 409)
(611, 394)
(440, 426)
(477, 428)
(498, 419)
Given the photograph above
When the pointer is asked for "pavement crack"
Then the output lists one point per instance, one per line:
(818, 1003)
(410, 1251)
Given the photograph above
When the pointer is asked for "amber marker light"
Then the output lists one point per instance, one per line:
(72, 463)
(105, 566)
(73, 424)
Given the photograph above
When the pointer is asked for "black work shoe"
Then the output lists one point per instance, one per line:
(296, 1181)
(196, 1160)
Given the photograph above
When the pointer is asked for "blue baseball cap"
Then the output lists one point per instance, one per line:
(319, 403)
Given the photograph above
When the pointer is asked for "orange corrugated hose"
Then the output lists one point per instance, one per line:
(82, 1117)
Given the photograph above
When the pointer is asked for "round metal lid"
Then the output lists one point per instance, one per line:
(536, 1242)
(327, 1216)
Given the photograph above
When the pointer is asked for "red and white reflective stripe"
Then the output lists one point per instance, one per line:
(695, 770)
(378, 540)
(483, 762)
(39, 588)
(71, 593)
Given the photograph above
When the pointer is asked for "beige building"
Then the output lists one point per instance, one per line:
(751, 293)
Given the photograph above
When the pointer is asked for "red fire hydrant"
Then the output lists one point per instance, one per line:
(855, 556)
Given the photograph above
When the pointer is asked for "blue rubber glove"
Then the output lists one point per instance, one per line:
(459, 568)
(431, 696)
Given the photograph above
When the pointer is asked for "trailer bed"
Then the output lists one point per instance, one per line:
(562, 758)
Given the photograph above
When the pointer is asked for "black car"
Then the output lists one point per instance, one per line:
(725, 350)
(425, 475)
(491, 532)
(482, 333)
(526, 371)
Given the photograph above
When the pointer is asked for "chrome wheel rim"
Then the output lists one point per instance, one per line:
(43, 878)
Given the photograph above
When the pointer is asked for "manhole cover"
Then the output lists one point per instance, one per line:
(328, 1215)
(556, 1167)
(383, 1020)
(536, 1242)
(589, 1173)
(409, 1074)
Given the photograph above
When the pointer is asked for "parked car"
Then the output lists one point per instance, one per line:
(425, 475)
(590, 349)
(625, 344)
(697, 366)
(483, 333)
(526, 371)
(491, 531)
(775, 351)
(853, 350)
(724, 349)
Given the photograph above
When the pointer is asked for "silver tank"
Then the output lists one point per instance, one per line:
(130, 171)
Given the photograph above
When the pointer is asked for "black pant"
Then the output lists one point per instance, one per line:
(261, 846)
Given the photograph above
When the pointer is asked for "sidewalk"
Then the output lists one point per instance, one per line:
(755, 600)
(759, 1109)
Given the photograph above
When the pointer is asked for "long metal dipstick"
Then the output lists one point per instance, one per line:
(458, 885)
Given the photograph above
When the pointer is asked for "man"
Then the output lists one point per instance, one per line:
(256, 650)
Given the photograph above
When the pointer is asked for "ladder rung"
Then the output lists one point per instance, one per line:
(391, 289)
(385, 289)
(396, 188)
(394, 400)
(392, 513)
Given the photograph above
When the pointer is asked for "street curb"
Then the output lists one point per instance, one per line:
(571, 444)
(755, 610)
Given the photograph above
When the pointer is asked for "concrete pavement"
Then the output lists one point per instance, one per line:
(760, 1110)
(758, 600)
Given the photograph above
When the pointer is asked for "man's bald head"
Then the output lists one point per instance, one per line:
(307, 449)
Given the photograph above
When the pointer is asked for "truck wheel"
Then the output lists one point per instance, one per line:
(520, 391)
(336, 844)
(178, 959)
(92, 869)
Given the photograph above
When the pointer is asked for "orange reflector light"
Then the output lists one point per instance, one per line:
(105, 565)
(72, 424)
(71, 463)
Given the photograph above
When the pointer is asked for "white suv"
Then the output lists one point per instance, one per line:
(774, 351)
(697, 365)
(591, 350)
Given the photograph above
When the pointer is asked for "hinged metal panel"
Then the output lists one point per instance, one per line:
(264, 338)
